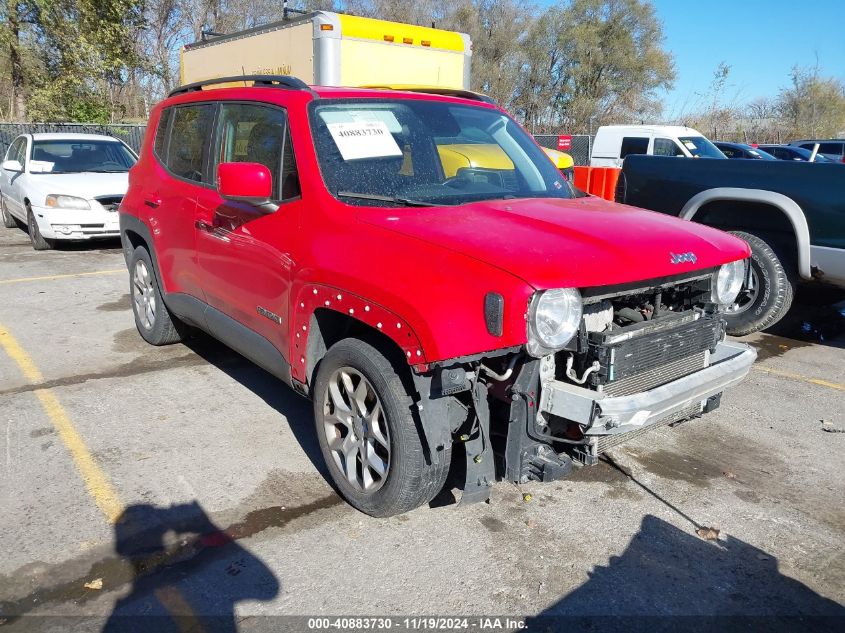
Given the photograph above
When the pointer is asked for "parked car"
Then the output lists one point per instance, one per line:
(488, 313)
(64, 186)
(614, 142)
(790, 152)
(563, 162)
(741, 150)
(834, 149)
(791, 214)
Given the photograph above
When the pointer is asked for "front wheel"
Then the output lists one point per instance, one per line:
(768, 296)
(367, 433)
(35, 237)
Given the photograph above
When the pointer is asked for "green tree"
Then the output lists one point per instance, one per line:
(90, 55)
(813, 106)
(604, 59)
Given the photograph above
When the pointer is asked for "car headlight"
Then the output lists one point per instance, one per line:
(58, 201)
(728, 282)
(553, 319)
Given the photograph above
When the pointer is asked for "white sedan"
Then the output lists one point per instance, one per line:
(64, 186)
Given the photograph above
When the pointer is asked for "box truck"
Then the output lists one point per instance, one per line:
(335, 49)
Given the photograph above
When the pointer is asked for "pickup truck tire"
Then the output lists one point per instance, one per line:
(155, 323)
(773, 295)
(362, 413)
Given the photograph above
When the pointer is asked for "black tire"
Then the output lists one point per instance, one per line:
(410, 480)
(38, 242)
(8, 221)
(775, 289)
(162, 327)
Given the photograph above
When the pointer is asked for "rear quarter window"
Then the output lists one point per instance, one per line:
(162, 132)
(633, 145)
(190, 134)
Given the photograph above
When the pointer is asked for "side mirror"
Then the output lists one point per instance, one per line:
(12, 165)
(246, 182)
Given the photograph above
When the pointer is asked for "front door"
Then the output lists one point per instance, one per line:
(245, 251)
(12, 180)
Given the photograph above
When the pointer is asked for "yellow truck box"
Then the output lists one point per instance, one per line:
(335, 49)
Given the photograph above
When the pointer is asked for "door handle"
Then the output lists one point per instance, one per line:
(153, 203)
(203, 225)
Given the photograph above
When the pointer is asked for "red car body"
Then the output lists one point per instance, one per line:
(422, 272)
(454, 289)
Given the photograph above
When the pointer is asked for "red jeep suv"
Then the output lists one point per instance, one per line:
(416, 265)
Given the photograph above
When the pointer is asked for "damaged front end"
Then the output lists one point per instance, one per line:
(641, 356)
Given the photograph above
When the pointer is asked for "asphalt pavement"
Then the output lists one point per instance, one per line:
(185, 481)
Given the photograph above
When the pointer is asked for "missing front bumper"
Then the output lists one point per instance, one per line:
(602, 415)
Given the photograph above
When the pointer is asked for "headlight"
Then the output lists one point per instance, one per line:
(553, 319)
(58, 201)
(728, 282)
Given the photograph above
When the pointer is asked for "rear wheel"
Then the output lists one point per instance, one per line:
(768, 297)
(367, 433)
(38, 242)
(155, 323)
(8, 221)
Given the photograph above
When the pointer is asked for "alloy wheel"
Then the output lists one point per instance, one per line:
(144, 295)
(747, 296)
(356, 431)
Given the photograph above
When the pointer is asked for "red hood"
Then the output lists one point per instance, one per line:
(554, 243)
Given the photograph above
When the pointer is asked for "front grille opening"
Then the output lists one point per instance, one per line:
(110, 203)
(642, 335)
(643, 356)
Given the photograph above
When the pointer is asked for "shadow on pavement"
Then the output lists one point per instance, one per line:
(296, 409)
(669, 580)
(187, 574)
(816, 316)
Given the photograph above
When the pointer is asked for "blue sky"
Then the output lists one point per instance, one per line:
(760, 39)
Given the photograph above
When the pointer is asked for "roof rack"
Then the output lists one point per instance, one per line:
(437, 90)
(274, 81)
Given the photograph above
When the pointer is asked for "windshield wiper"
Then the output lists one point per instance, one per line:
(396, 200)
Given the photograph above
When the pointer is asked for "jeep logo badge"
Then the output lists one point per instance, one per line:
(680, 258)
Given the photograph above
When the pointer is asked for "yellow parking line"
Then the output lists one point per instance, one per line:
(95, 479)
(67, 276)
(802, 378)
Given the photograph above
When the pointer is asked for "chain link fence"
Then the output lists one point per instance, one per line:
(581, 145)
(131, 134)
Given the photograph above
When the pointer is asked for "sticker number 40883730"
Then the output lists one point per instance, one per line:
(364, 139)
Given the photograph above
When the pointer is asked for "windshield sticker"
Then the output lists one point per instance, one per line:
(41, 166)
(364, 140)
(690, 145)
(363, 116)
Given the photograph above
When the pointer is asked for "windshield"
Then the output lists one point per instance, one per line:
(700, 147)
(427, 152)
(74, 157)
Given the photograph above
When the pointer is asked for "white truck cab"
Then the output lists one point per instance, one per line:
(614, 142)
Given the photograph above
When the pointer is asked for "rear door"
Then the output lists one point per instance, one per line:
(182, 145)
(244, 251)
